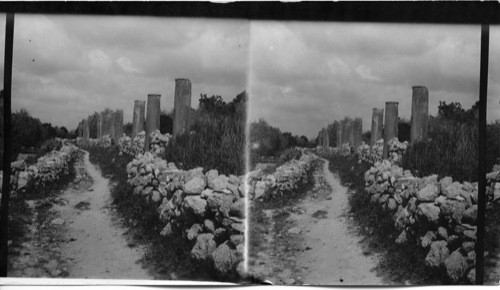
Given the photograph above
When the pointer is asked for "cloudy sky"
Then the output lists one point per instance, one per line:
(306, 75)
(300, 75)
(67, 67)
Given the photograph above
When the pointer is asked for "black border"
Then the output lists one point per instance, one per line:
(466, 12)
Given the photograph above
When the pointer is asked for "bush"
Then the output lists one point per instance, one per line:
(452, 148)
(452, 151)
(289, 154)
(49, 145)
(216, 139)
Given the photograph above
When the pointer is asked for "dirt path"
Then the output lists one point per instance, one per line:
(336, 256)
(98, 248)
(77, 234)
(312, 240)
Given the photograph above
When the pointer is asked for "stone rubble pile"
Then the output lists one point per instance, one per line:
(438, 215)
(208, 209)
(287, 178)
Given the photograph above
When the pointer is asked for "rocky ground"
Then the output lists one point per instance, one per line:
(76, 233)
(311, 241)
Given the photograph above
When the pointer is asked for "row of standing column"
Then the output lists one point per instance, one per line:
(350, 131)
(111, 123)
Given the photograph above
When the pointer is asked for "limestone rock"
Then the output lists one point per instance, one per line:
(468, 246)
(437, 255)
(261, 188)
(211, 175)
(204, 247)
(456, 266)
(402, 238)
(225, 259)
(194, 231)
(401, 218)
(220, 202)
(427, 239)
(429, 211)
(209, 225)
(442, 233)
(391, 204)
(167, 230)
(195, 204)
(470, 214)
(238, 227)
(22, 179)
(195, 185)
(219, 183)
(453, 209)
(236, 239)
(428, 194)
(238, 208)
(472, 276)
(57, 221)
(453, 190)
(412, 205)
(439, 200)
(445, 182)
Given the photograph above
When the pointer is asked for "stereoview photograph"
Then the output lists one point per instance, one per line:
(251, 151)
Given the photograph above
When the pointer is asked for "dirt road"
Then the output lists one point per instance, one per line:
(312, 241)
(79, 235)
(336, 256)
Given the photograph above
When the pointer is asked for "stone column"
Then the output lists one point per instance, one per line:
(391, 125)
(339, 134)
(357, 132)
(99, 126)
(139, 117)
(111, 125)
(350, 131)
(345, 131)
(152, 117)
(86, 129)
(326, 141)
(182, 106)
(377, 125)
(118, 124)
(419, 114)
(105, 126)
(79, 130)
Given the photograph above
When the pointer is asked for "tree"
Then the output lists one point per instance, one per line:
(26, 130)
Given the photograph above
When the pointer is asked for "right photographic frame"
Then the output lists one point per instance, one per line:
(369, 158)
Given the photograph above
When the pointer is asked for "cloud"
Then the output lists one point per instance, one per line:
(99, 59)
(67, 67)
(126, 65)
(366, 73)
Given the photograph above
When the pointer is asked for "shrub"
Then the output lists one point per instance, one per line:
(289, 154)
(216, 139)
(49, 145)
(452, 151)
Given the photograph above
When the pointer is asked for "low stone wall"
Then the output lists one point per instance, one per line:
(372, 154)
(128, 145)
(438, 215)
(287, 178)
(48, 169)
(207, 209)
(367, 153)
